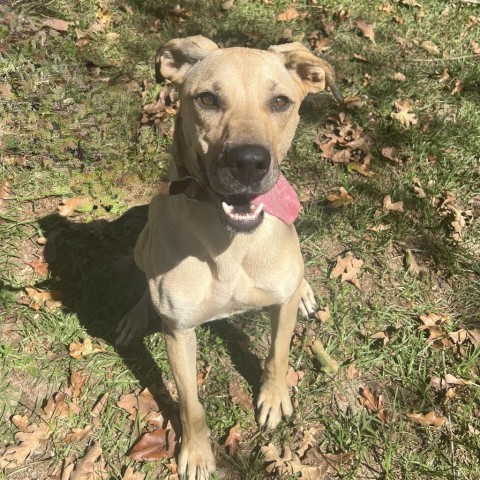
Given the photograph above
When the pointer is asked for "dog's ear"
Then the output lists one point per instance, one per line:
(178, 56)
(314, 73)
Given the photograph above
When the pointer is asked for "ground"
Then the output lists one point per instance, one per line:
(389, 229)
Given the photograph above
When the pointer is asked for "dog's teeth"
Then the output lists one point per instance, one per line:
(228, 209)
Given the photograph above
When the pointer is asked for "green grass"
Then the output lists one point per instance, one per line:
(70, 126)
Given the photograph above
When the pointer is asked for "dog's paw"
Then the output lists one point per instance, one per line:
(307, 304)
(273, 404)
(196, 460)
(132, 325)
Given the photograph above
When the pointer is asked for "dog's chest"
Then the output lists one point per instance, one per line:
(197, 291)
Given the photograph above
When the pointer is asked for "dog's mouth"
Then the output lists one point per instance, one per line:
(241, 214)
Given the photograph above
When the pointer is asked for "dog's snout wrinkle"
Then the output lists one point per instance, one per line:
(248, 163)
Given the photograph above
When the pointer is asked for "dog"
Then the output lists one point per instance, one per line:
(220, 238)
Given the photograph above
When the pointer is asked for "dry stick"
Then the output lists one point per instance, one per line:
(452, 448)
(462, 57)
(328, 363)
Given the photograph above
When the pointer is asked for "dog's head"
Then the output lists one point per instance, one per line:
(239, 112)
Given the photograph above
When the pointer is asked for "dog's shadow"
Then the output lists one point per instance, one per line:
(92, 265)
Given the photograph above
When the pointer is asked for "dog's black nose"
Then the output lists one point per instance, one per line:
(248, 163)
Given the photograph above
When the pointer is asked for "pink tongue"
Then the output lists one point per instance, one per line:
(281, 201)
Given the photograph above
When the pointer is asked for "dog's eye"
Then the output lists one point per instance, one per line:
(208, 100)
(280, 103)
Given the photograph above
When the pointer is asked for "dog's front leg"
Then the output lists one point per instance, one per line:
(274, 399)
(196, 460)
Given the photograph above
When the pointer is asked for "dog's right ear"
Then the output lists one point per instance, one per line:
(178, 56)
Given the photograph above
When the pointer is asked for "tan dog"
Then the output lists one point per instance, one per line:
(214, 249)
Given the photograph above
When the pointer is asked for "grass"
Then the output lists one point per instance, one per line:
(70, 126)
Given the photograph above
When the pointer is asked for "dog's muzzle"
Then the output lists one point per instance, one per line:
(248, 165)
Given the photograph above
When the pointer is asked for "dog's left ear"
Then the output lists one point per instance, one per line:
(314, 73)
(178, 56)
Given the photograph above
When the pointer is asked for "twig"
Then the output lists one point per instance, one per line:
(473, 2)
(462, 57)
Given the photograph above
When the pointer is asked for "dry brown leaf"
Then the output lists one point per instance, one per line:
(29, 440)
(341, 156)
(309, 438)
(472, 430)
(347, 268)
(240, 396)
(462, 335)
(294, 377)
(70, 206)
(388, 153)
(353, 372)
(417, 188)
(91, 466)
(56, 24)
(381, 227)
(449, 380)
(392, 207)
(79, 350)
(352, 103)
(323, 315)
(399, 77)
(21, 422)
(142, 403)
(373, 403)
(411, 263)
(383, 336)
(58, 407)
(154, 445)
(326, 462)
(39, 267)
(99, 405)
(475, 48)
(155, 419)
(227, 5)
(427, 420)
(340, 198)
(289, 14)
(430, 47)
(77, 381)
(360, 168)
(77, 434)
(366, 29)
(404, 113)
(50, 299)
(233, 440)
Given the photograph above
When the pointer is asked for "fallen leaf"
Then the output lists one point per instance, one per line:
(393, 207)
(399, 77)
(323, 315)
(404, 114)
(430, 47)
(29, 440)
(347, 268)
(366, 29)
(142, 403)
(472, 430)
(388, 153)
(56, 406)
(240, 396)
(381, 227)
(417, 187)
(91, 466)
(352, 103)
(384, 336)
(449, 380)
(77, 381)
(309, 438)
(360, 168)
(427, 420)
(373, 403)
(475, 48)
(77, 434)
(21, 422)
(353, 372)
(154, 446)
(411, 263)
(341, 156)
(50, 299)
(294, 377)
(56, 24)
(156, 419)
(328, 462)
(79, 350)
(233, 440)
(339, 199)
(227, 5)
(99, 405)
(70, 206)
(289, 14)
